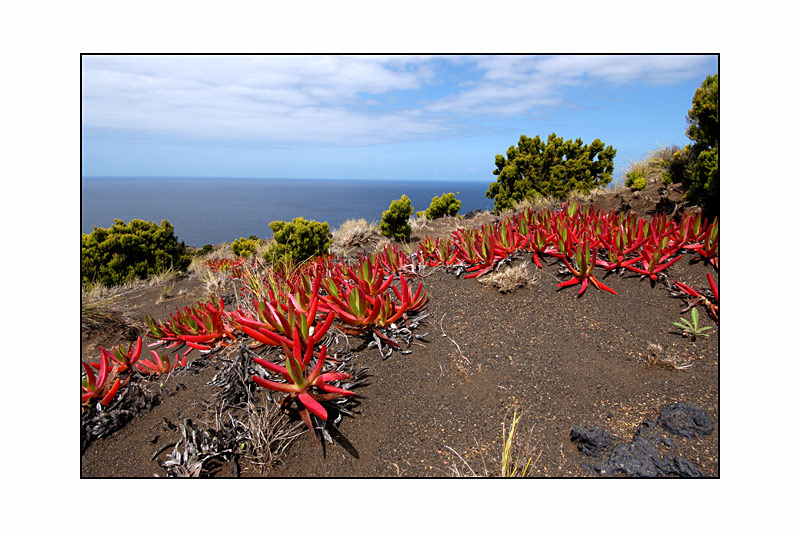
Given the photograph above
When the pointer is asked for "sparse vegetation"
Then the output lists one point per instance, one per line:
(380, 298)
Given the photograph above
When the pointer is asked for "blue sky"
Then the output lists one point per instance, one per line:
(371, 117)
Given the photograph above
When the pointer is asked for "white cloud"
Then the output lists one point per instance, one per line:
(516, 84)
(338, 99)
(260, 98)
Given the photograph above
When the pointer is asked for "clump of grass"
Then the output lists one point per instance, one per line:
(419, 222)
(576, 195)
(103, 317)
(600, 191)
(509, 279)
(215, 283)
(355, 233)
(164, 277)
(537, 203)
(653, 165)
(656, 357)
(269, 434)
(516, 458)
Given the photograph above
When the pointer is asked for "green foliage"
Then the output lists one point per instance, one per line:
(550, 169)
(124, 252)
(697, 165)
(677, 167)
(205, 250)
(245, 247)
(446, 205)
(394, 223)
(635, 180)
(692, 329)
(298, 239)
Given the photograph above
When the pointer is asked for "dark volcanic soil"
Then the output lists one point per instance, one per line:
(561, 361)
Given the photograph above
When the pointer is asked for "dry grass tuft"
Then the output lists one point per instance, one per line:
(355, 233)
(419, 222)
(538, 203)
(269, 434)
(164, 277)
(216, 283)
(656, 357)
(509, 279)
(653, 166)
(103, 317)
(517, 458)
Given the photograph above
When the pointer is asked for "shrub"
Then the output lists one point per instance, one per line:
(697, 165)
(446, 205)
(677, 167)
(552, 168)
(298, 239)
(124, 252)
(205, 250)
(635, 180)
(245, 247)
(394, 223)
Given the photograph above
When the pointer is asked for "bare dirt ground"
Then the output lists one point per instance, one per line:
(556, 359)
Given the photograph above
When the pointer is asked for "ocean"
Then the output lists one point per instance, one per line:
(217, 210)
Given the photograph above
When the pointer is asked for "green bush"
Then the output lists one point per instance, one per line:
(245, 247)
(124, 252)
(677, 167)
(549, 169)
(446, 205)
(635, 180)
(697, 165)
(205, 250)
(298, 239)
(394, 223)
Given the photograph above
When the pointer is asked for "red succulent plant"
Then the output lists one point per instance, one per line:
(300, 378)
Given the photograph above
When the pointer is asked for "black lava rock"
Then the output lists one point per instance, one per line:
(592, 440)
(686, 420)
(641, 457)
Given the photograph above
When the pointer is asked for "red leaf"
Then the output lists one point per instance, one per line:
(271, 385)
(108, 397)
(314, 406)
(331, 388)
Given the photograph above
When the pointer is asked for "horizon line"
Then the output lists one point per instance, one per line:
(281, 178)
